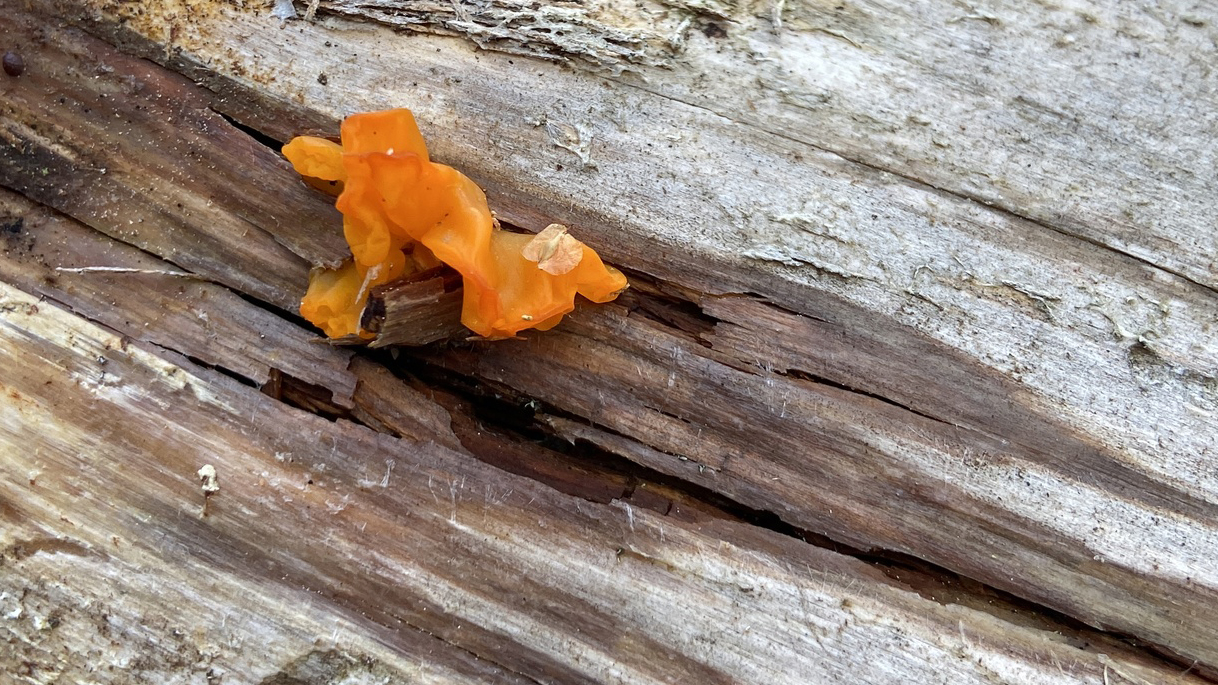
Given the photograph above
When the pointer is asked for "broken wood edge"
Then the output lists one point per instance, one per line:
(416, 310)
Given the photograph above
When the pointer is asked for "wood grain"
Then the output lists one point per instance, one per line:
(152, 301)
(896, 283)
(1083, 528)
(138, 150)
(419, 561)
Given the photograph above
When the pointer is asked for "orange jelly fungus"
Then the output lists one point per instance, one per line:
(403, 213)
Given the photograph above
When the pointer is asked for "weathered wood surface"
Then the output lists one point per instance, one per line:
(416, 562)
(901, 282)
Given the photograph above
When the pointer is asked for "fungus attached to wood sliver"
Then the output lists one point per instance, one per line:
(403, 213)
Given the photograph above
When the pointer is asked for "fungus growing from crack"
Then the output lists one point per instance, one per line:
(403, 213)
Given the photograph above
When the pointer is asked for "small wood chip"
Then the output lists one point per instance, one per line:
(207, 476)
(555, 251)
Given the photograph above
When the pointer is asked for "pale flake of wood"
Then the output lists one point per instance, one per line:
(210, 483)
(126, 270)
(555, 250)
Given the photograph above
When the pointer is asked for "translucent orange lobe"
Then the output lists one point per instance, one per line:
(403, 212)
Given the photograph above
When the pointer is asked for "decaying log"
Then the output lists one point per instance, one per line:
(916, 381)
(400, 559)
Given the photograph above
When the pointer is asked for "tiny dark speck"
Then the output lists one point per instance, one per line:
(713, 30)
(13, 225)
(13, 63)
(323, 79)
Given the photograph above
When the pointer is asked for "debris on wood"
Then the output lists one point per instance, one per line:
(419, 309)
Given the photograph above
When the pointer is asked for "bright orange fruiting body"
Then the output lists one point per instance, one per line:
(404, 213)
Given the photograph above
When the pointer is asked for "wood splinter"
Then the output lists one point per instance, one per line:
(416, 310)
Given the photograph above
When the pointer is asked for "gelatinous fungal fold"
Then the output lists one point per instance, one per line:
(403, 213)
